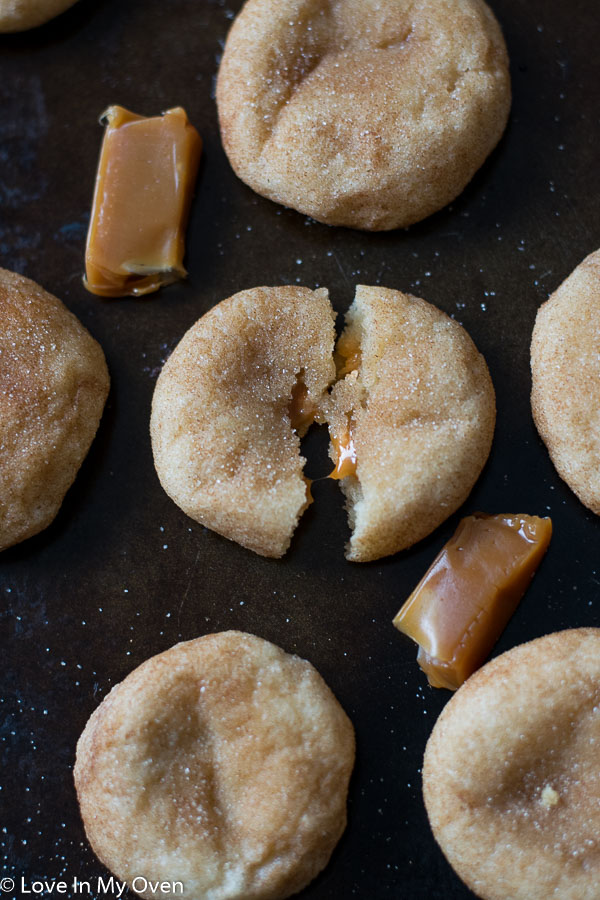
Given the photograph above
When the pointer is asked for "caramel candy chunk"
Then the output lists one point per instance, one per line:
(144, 184)
(465, 599)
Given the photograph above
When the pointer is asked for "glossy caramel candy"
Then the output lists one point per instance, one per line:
(465, 599)
(143, 192)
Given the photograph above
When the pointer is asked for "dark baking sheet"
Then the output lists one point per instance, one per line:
(122, 573)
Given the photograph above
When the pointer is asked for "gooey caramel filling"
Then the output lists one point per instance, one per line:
(142, 197)
(348, 355)
(348, 358)
(346, 453)
(465, 599)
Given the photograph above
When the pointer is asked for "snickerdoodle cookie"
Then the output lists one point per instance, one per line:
(511, 779)
(222, 763)
(565, 366)
(411, 417)
(53, 385)
(20, 15)
(361, 113)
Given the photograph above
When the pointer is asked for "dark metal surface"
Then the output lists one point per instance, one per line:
(122, 573)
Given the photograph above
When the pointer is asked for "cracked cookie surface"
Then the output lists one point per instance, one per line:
(423, 411)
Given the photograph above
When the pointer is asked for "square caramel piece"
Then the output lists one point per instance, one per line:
(144, 185)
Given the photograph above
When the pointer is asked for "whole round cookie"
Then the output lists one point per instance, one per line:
(225, 443)
(20, 15)
(511, 779)
(53, 385)
(419, 406)
(361, 113)
(565, 368)
(222, 763)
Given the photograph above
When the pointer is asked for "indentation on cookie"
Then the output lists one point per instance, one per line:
(398, 42)
(288, 80)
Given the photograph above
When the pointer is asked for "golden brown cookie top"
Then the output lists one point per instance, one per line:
(510, 776)
(222, 763)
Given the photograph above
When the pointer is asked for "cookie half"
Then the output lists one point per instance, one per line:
(361, 113)
(53, 386)
(225, 446)
(419, 407)
(565, 368)
(510, 777)
(222, 763)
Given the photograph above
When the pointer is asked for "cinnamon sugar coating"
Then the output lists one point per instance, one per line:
(20, 15)
(420, 407)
